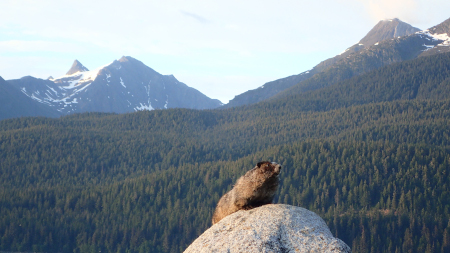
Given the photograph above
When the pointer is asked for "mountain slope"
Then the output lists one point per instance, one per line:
(268, 90)
(439, 33)
(15, 104)
(125, 85)
(420, 78)
(384, 30)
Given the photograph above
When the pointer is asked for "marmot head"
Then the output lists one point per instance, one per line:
(270, 169)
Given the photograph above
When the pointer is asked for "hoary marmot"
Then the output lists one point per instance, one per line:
(256, 188)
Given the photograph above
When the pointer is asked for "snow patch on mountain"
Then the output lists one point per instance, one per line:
(142, 107)
(435, 37)
(121, 82)
(79, 78)
(72, 84)
(68, 85)
(54, 91)
(428, 47)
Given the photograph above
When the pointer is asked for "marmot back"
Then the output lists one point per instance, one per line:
(256, 188)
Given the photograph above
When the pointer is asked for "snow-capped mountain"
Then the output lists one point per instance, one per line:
(125, 85)
(384, 30)
(382, 53)
(387, 42)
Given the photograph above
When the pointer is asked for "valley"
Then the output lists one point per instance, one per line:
(363, 140)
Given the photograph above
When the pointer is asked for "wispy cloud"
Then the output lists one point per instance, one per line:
(383, 9)
(418, 13)
(196, 17)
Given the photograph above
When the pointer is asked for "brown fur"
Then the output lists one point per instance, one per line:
(256, 188)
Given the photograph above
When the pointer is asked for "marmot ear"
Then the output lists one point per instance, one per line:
(261, 163)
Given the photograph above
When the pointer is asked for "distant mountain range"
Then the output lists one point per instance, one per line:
(125, 85)
(388, 42)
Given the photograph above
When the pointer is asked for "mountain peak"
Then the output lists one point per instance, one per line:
(123, 59)
(126, 59)
(390, 20)
(387, 29)
(76, 67)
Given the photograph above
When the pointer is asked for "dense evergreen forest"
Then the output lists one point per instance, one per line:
(376, 170)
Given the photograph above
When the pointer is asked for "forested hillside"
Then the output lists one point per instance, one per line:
(376, 170)
(421, 78)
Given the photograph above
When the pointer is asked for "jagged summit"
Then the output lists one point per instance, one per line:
(125, 58)
(76, 67)
(387, 29)
(130, 59)
(384, 30)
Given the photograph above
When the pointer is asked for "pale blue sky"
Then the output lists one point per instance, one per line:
(222, 48)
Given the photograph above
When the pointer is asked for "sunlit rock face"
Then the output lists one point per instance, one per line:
(269, 228)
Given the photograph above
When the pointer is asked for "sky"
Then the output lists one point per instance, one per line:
(221, 48)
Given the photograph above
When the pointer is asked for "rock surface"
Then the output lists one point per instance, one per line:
(387, 29)
(269, 228)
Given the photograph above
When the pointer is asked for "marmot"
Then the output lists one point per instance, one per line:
(256, 188)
